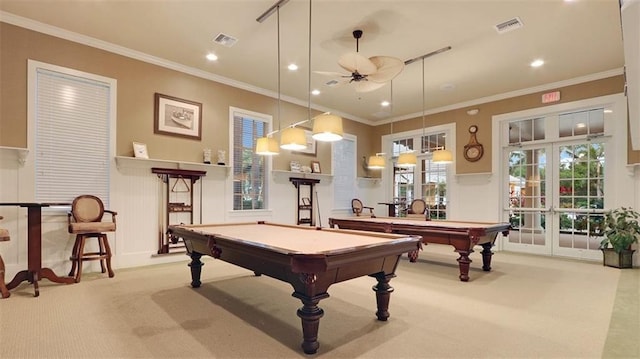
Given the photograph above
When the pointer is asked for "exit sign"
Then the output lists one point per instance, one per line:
(551, 97)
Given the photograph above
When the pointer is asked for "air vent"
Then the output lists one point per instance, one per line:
(225, 40)
(331, 83)
(509, 25)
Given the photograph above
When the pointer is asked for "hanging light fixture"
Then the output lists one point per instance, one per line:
(376, 162)
(442, 156)
(268, 146)
(327, 127)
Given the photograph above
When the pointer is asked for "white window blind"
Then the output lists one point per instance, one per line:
(344, 173)
(71, 137)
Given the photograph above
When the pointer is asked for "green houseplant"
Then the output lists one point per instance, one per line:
(621, 229)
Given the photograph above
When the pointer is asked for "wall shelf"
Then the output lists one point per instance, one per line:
(302, 174)
(125, 161)
(21, 153)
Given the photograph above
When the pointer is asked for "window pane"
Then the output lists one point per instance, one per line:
(249, 182)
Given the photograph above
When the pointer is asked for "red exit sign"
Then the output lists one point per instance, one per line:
(551, 97)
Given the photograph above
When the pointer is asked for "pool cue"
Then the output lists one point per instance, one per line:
(318, 207)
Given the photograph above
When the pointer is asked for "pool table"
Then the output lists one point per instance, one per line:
(308, 258)
(463, 236)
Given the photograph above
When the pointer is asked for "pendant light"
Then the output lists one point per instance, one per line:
(268, 146)
(376, 162)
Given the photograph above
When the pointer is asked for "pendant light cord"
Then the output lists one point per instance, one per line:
(309, 89)
(423, 110)
(278, 21)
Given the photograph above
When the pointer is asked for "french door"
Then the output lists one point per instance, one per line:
(556, 186)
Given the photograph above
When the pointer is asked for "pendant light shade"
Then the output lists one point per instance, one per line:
(442, 156)
(407, 160)
(327, 127)
(293, 138)
(267, 146)
(375, 162)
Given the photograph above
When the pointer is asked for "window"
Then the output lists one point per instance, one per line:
(344, 172)
(249, 169)
(433, 177)
(73, 116)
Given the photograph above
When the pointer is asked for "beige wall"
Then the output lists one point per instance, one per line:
(138, 81)
(586, 90)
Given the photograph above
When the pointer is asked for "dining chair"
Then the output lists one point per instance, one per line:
(357, 207)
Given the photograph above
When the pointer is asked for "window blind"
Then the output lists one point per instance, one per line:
(71, 137)
(344, 173)
(249, 180)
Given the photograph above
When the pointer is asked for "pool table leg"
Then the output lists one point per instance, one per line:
(196, 269)
(464, 263)
(310, 315)
(486, 256)
(383, 294)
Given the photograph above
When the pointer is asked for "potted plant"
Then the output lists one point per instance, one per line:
(621, 229)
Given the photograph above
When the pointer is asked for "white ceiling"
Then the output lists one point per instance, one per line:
(580, 38)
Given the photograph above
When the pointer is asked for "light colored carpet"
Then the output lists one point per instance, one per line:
(527, 307)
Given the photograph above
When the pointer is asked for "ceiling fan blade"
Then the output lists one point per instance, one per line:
(388, 68)
(367, 86)
(354, 62)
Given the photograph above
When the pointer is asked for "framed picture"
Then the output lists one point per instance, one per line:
(140, 150)
(177, 117)
(311, 144)
(315, 167)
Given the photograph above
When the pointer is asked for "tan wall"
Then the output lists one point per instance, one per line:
(608, 86)
(138, 81)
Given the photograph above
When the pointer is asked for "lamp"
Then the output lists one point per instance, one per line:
(407, 160)
(293, 138)
(327, 127)
(267, 146)
(442, 156)
(376, 162)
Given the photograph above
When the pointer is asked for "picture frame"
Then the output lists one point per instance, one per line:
(315, 167)
(311, 144)
(177, 117)
(140, 150)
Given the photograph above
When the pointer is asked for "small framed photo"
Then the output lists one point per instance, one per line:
(140, 150)
(315, 167)
(177, 117)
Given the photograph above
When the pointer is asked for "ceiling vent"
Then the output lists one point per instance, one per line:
(509, 25)
(225, 40)
(332, 83)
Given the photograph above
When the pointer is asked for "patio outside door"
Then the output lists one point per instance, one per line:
(556, 186)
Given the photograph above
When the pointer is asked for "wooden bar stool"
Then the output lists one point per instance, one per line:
(85, 221)
(4, 236)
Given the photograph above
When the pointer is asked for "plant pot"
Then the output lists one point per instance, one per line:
(623, 259)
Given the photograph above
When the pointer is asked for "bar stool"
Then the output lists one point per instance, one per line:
(85, 221)
(4, 236)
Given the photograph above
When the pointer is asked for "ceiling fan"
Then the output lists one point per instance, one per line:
(367, 74)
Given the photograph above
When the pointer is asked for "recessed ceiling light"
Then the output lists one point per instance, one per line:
(315, 92)
(537, 63)
(211, 57)
(384, 103)
(292, 67)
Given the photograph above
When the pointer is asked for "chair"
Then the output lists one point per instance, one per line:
(4, 236)
(85, 221)
(418, 208)
(357, 207)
